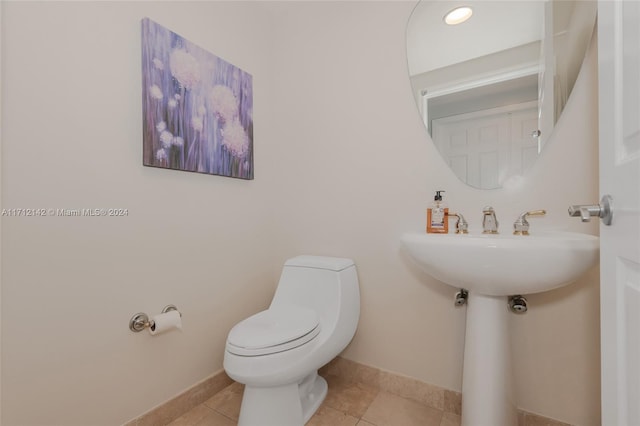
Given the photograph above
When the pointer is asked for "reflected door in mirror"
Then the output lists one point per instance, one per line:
(484, 148)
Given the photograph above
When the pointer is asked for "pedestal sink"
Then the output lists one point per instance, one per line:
(491, 268)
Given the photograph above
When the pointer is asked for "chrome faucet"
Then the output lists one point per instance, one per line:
(489, 221)
(462, 227)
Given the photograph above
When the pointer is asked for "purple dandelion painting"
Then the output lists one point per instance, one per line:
(197, 108)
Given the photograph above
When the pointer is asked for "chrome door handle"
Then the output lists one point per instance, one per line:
(604, 210)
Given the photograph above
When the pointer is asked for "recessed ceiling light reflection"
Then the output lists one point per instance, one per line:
(458, 15)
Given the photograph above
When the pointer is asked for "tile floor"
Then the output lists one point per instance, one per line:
(347, 404)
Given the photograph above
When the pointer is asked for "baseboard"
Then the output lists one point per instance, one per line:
(168, 411)
(397, 384)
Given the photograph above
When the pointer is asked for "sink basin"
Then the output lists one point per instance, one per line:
(504, 264)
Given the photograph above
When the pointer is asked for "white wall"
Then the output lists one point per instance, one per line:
(71, 138)
(343, 167)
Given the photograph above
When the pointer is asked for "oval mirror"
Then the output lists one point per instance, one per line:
(491, 88)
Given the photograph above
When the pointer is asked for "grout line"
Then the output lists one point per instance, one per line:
(224, 415)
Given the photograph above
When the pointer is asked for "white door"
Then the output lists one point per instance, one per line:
(619, 94)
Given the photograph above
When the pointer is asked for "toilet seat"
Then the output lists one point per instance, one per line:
(274, 330)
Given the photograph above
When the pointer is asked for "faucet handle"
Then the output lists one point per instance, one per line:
(521, 225)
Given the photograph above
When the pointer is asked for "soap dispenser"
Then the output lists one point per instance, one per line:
(437, 216)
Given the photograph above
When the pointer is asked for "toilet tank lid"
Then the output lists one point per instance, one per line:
(320, 262)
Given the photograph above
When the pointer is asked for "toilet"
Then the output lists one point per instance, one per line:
(276, 353)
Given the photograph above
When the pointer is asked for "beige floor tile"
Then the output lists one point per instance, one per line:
(349, 397)
(535, 420)
(192, 416)
(215, 419)
(391, 410)
(452, 402)
(450, 419)
(327, 416)
(165, 413)
(364, 423)
(227, 401)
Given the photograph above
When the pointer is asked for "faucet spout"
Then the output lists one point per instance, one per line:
(489, 221)
(462, 227)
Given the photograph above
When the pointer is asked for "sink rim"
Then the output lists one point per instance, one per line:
(504, 264)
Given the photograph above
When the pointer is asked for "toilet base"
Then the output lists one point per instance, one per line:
(287, 405)
(312, 394)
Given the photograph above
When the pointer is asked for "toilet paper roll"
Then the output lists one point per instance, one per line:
(165, 322)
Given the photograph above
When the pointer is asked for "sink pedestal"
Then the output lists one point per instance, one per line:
(499, 265)
(488, 396)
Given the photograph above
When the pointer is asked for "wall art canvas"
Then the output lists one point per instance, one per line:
(197, 108)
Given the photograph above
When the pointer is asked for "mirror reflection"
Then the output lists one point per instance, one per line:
(491, 87)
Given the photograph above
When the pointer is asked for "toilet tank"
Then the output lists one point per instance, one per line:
(328, 285)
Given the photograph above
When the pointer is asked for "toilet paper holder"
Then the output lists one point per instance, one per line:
(140, 321)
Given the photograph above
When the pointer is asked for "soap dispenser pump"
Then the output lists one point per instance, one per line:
(437, 216)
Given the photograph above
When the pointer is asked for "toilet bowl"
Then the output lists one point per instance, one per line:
(276, 353)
